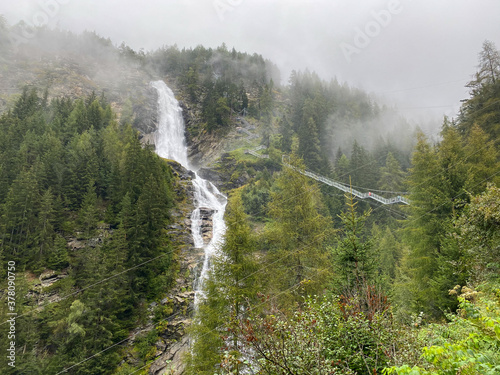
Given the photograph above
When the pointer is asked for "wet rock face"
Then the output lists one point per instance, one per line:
(49, 277)
(146, 111)
(179, 302)
(212, 175)
(206, 216)
(180, 171)
(173, 356)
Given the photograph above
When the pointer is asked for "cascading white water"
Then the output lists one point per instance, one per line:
(169, 138)
(207, 196)
(171, 144)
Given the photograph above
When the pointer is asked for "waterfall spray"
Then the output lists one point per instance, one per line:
(171, 144)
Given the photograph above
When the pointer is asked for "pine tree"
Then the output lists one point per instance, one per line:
(19, 219)
(95, 116)
(45, 225)
(489, 66)
(389, 252)
(451, 158)
(309, 147)
(478, 235)
(482, 161)
(148, 239)
(58, 256)
(77, 120)
(342, 167)
(430, 211)
(82, 167)
(353, 258)
(286, 135)
(298, 233)
(52, 160)
(27, 104)
(89, 214)
(483, 107)
(391, 176)
(362, 168)
(234, 270)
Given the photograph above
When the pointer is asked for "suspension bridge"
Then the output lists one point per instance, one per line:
(325, 180)
(346, 188)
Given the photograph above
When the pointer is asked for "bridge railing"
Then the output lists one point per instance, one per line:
(347, 189)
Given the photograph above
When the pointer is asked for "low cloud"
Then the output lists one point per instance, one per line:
(418, 54)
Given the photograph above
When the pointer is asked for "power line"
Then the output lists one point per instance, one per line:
(287, 290)
(106, 279)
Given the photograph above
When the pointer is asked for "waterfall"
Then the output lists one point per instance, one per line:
(171, 144)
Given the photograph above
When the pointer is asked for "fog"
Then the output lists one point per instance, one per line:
(416, 54)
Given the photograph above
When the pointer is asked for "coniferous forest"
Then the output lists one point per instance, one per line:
(307, 280)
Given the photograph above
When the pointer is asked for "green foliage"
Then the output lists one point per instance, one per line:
(88, 214)
(431, 211)
(70, 165)
(389, 251)
(224, 82)
(477, 352)
(483, 107)
(145, 345)
(289, 346)
(58, 258)
(479, 234)
(353, 257)
(298, 235)
(482, 161)
(391, 175)
(256, 195)
(325, 336)
(362, 168)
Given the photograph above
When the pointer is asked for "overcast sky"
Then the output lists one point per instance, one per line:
(417, 53)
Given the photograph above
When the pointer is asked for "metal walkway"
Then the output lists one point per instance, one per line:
(254, 152)
(348, 189)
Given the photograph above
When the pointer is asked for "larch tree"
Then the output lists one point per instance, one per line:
(424, 229)
(298, 233)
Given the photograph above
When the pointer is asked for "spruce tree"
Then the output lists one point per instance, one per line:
(89, 214)
(58, 256)
(391, 175)
(483, 107)
(429, 216)
(451, 157)
(482, 161)
(342, 168)
(309, 147)
(353, 257)
(45, 225)
(297, 233)
(19, 219)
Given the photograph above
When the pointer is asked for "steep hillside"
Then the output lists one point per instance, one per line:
(69, 65)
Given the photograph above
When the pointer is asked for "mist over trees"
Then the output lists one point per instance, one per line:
(397, 279)
(308, 279)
